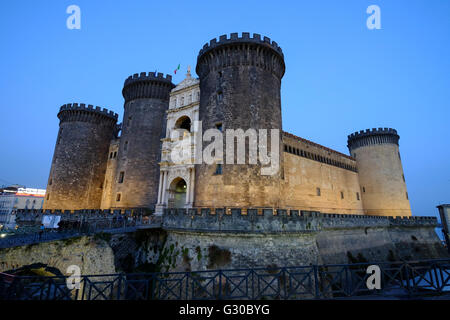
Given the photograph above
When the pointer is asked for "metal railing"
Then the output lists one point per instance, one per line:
(399, 280)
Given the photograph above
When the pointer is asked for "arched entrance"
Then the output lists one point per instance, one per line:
(177, 193)
(183, 122)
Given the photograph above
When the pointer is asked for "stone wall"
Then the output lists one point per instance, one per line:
(240, 81)
(192, 242)
(381, 177)
(110, 175)
(144, 125)
(92, 254)
(311, 185)
(79, 161)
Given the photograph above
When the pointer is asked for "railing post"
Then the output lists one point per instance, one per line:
(119, 286)
(407, 274)
(219, 297)
(316, 282)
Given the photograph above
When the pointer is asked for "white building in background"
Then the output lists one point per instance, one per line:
(176, 183)
(12, 199)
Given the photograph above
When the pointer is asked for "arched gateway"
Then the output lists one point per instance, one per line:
(177, 193)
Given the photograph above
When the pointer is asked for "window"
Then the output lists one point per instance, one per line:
(48, 196)
(357, 196)
(129, 122)
(218, 169)
(399, 156)
(219, 126)
(342, 195)
(189, 98)
(183, 123)
(318, 191)
(121, 176)
(118, 196)
(182, 101)
(111, 155)
(403, 176)
(220, 74)
(364, 190)
(219, 96)
(50, 182)
(407, 198)
(115, 154)
(198, 95)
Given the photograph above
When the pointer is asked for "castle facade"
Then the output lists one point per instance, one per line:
(100, 164)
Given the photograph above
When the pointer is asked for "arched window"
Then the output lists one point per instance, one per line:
(183, 123)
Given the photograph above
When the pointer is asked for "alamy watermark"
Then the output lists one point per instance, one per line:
(73, 281)
(374, 280)
(374, 20)
(74, 20)
(188, 148)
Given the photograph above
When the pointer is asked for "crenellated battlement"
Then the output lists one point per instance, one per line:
(244, 38)
(259, 220)
(371, 137)
(75, 111)
(244, 51)
(149, 85)
(150, 76)
(269, 220)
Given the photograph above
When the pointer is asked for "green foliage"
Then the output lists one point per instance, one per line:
(199, 253)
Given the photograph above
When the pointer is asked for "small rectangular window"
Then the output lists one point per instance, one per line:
(111, 155)
(118, 196)
(48, 196)
(403, 176)
(357, 196)
(342, 195)
(115, 154)
(121, 176)
(318, 191)
(364, 190)
(219, 96)
(218, 169)
(407, 198)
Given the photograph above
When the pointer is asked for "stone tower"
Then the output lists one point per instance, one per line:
(240, 80)
(383, 187)
(137, 173)
(79, 161)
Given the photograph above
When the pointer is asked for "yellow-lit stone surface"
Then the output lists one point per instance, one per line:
(381, 175)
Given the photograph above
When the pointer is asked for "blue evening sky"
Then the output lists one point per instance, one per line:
(340, 76)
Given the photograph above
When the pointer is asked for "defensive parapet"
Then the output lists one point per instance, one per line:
(240, 81)
(383, 187)
(79, 161)
(81, 112)
(271, 220)
(372, 137)
(147, 85)
(269, 55)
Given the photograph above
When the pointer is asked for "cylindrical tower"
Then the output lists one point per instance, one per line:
(383, 187)
(240, 81)
(144, 124)
(79, 161)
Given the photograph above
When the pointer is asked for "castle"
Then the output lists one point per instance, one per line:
(100, 164)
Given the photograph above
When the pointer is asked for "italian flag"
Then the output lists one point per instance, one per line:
(178, 68)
